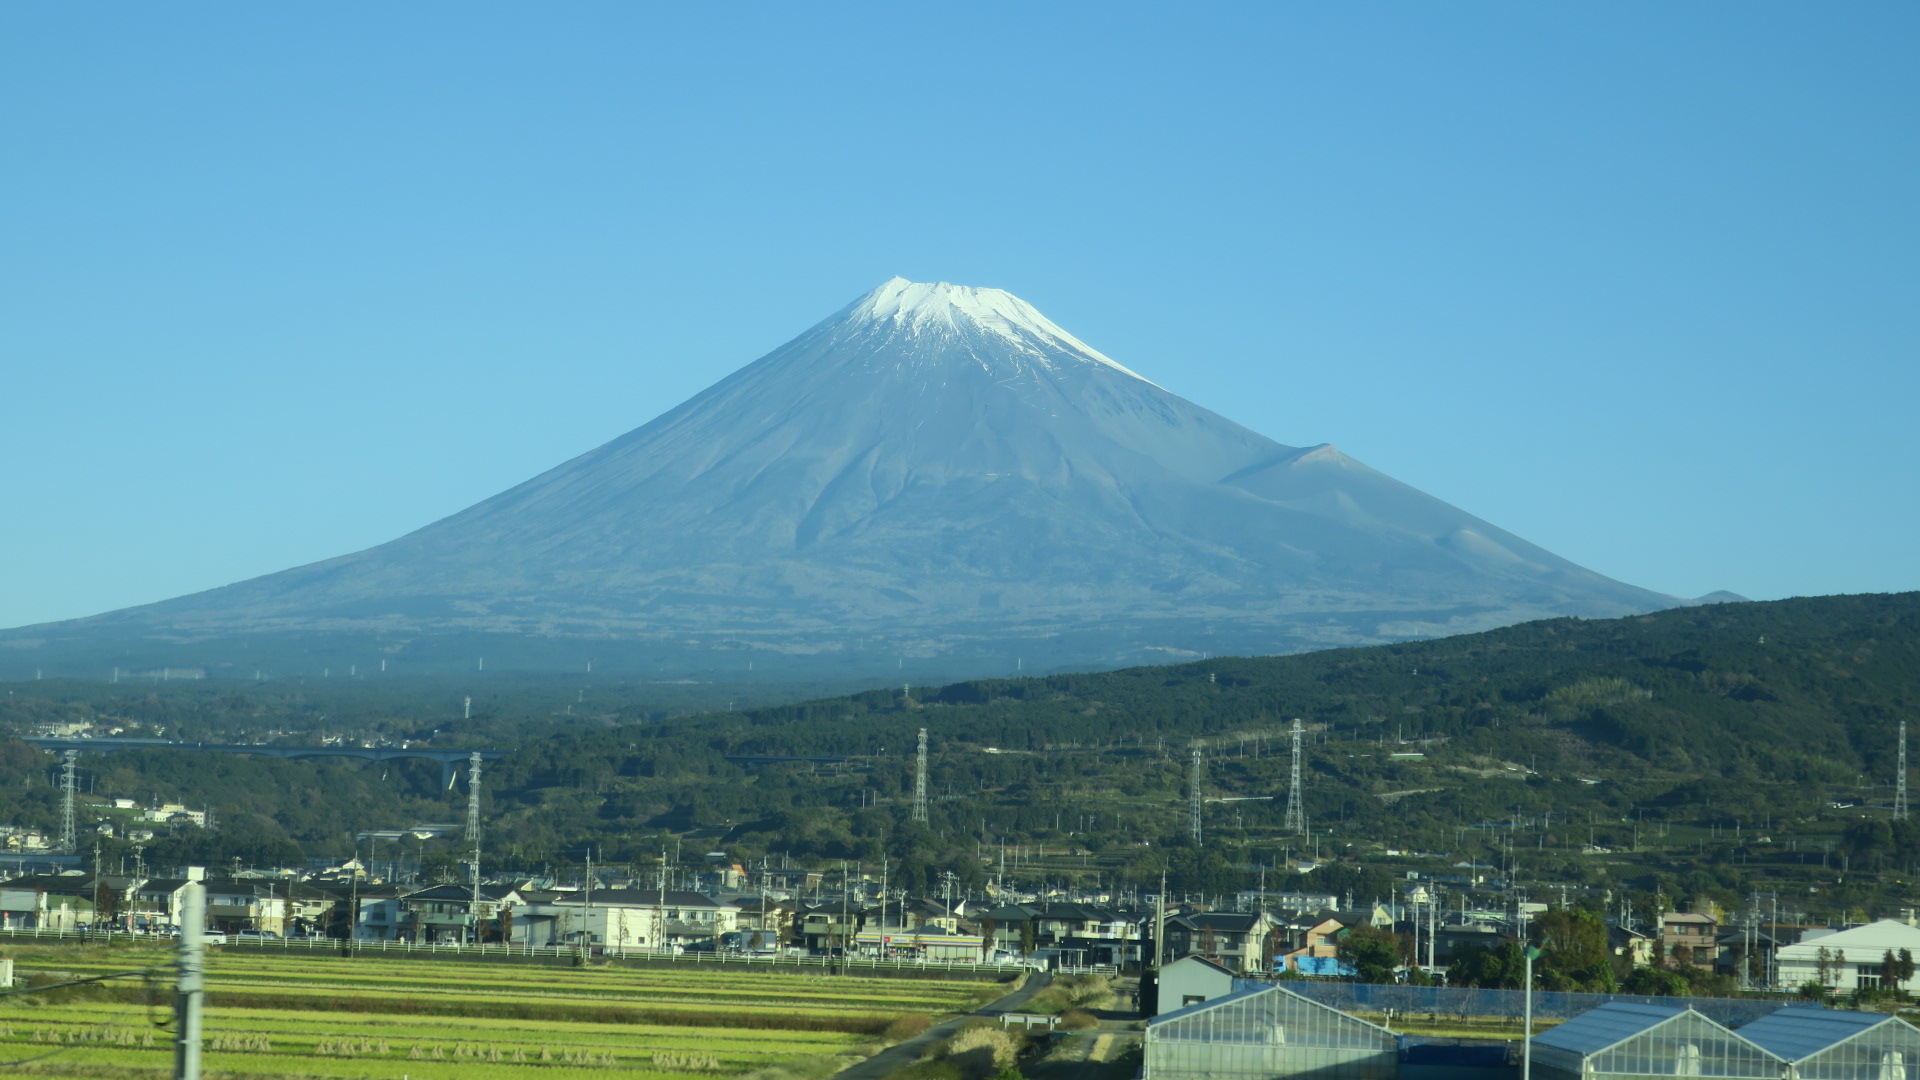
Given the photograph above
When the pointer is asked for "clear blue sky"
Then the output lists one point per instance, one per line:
(1634, 281)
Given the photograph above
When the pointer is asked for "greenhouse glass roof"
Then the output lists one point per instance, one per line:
(1798, 1032)
(1609, 1025)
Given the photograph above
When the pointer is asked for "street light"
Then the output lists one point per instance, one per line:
(1526, 1051)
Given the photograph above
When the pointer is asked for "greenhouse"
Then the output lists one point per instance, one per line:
(1267, 1032)
(1829, 1044)
(1621, 1040)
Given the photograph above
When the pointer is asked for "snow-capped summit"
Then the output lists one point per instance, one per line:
(916, 308)
(936, 471)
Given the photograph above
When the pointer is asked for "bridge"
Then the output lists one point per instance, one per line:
(450, 760)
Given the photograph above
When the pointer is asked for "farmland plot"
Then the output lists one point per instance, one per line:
(309, 1016)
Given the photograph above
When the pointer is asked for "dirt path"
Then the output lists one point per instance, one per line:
(906, 1053)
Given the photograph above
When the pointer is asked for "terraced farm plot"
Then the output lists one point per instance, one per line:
(323, 1016)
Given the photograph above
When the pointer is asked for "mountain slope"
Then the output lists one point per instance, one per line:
(933, 471)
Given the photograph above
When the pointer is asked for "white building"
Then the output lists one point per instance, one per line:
(1191, 980)
(631, 919)
(1849, 960)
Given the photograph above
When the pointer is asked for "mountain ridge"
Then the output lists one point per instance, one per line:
(943, 469)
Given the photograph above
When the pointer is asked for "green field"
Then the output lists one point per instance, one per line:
(324, 1016)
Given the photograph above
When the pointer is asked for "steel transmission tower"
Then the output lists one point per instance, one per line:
(920, 780)
(473, 834)
(1900, 783)
(1296, 810)
(473, 797)
(69, 795)
(1193, 796)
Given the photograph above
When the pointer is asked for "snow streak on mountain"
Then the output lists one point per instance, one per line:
(934, 471)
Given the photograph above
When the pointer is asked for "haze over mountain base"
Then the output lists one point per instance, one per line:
(935, 478)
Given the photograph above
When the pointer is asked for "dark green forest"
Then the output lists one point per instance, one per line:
(1716, 750)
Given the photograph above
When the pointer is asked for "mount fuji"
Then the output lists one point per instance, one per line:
(935, 472)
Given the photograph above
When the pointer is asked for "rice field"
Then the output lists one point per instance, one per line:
(327, 1016)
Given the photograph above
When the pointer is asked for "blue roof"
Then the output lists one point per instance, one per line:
(1798, 1032)
(1610, 1024)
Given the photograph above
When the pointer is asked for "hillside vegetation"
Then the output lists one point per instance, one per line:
(1716, 749)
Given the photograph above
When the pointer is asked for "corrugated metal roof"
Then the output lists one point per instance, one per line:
(1799, 1032)
(1610, 1024)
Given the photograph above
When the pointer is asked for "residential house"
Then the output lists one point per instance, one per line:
(246, 904)
(1687, 938)
(1235, 940)
(448, 913)
(47, 902)
(1630, 943)
(1305, 944)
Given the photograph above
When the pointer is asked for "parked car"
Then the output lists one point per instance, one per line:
(213, 937)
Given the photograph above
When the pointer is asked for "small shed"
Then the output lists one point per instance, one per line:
(1191, 980)
(1267, 1033)
(1621, 1039)
(1833, 1044)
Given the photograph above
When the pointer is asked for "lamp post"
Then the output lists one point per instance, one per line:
(1526, 1046)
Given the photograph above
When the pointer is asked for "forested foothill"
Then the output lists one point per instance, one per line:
(1698, 753)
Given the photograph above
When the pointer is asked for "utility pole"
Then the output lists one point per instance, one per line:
(920, 780)
(69, 795)
(1193, 796)
(1160, 923)
(1296, 810)
(190, 984)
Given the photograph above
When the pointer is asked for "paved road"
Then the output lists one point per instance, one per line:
(906, 1053)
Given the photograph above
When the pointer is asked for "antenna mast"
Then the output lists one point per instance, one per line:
(920, 780)
(69, 792)
(1296, 810)
(1900, 783)
(1193, 796)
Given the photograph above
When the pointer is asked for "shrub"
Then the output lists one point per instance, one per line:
(906, 1027)
(982, 1051)
(1078, 1020)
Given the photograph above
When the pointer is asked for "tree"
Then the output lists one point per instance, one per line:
(1656, 982)
(1373, 953)
(1029, 938)
(1499, 968)
(986, 939)
(1576, 956)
